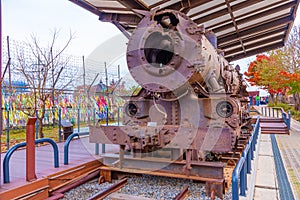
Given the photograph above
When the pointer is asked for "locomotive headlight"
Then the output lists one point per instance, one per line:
(224, 109)
(131, 109)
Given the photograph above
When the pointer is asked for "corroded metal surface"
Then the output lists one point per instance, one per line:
(192, 105)
(108, 191)
(191, 97)
(183, 194)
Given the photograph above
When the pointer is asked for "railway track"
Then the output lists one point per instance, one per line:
(142, 188)
(175, 186)
(85, 182)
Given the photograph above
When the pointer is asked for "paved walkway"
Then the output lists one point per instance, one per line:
(290, 152)
(266, 187)
(80, 151)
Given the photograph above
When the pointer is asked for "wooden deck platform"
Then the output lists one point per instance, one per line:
(270, 125)
(80, 151)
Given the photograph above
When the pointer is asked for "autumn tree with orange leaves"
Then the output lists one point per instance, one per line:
(279, 71)
(264, 72)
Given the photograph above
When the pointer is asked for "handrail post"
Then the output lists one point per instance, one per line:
(243, 180)
(7, 130)
(59, 125)
(7, 158)
(55, 149)
(66, 147)
(30, 149)
(249, 161)
(37, 125)
(23, 144)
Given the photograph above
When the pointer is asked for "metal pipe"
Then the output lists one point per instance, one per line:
(243, 180)
(37, 125)
(235, 178)
(67, 143)
(106, 81)
(7, 130)
(59, 125)
(239, 175)
(23, 144)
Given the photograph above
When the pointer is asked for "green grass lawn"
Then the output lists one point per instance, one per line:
(19, 135)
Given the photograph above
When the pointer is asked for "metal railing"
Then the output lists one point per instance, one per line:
(277, 112)
(239, 174)
(23, 144)
(67, 143)
(285, 189)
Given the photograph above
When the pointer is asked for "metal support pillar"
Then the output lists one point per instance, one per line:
(30, 149)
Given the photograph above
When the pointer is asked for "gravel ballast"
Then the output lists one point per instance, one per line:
(154, 187)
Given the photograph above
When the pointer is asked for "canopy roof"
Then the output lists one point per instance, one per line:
(243, 27)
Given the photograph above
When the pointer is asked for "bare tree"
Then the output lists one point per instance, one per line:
(44, 70)
(293, 56)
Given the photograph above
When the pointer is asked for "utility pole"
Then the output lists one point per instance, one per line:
(106, 82)
(83, 64)
(9, 71)
(53, 112)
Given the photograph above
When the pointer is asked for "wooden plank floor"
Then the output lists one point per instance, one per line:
(80, 151)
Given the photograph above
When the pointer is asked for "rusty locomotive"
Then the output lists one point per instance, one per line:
(192, 107)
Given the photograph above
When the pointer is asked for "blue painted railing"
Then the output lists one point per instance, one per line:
(285, 189)
(67, 143)
(23, 144)
(239, 175)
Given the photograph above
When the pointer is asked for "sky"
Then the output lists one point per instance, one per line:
(23, 18)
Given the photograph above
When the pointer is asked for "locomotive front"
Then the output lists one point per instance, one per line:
(191, 99)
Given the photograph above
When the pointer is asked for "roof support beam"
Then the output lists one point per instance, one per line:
(293, 13)
(130, 19)
(133, 4)
(253, 45)
(255, 29)
(158, 3)
(244, 15)
(254, 51)
(86, 6)
(252, 38)
(224, 11)
(193, 3)
(257, 16)
(234, 23)
(208, 9)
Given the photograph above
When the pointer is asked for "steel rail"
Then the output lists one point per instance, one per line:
(183, 194)
(108, 191)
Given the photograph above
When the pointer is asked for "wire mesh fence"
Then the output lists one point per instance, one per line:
(82, 93)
